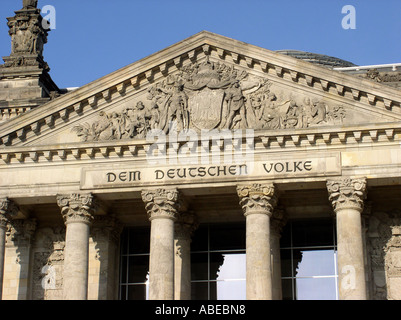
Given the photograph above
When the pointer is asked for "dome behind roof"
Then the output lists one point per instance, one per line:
(321, 59)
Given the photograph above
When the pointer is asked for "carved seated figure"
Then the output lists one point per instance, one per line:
(270, 116)
(291, 119)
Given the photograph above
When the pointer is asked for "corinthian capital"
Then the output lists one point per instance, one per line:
(257, 198)
(77, 207)
(8, 209)
(347, 193)
(161, 203)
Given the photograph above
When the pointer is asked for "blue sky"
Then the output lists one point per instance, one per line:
(95, 37)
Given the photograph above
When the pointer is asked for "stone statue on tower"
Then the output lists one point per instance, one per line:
(29, 4)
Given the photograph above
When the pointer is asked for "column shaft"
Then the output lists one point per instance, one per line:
(161, 206)
(184, 228)
(347, 196)
(350, 258)
(278, 220)
(257, 203)
(75, 284)
(77, 211)
(161, 263)
(258, 260)
(8, 209)
(182, 266)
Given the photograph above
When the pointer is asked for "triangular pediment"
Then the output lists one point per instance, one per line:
(207, 82)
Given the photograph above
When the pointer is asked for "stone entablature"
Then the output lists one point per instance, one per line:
(266, 139)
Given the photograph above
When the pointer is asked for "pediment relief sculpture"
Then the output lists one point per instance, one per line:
(206, 96)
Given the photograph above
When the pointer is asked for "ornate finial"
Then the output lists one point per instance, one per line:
(29, 4)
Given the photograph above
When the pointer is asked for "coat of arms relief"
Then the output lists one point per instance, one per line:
(210, 95)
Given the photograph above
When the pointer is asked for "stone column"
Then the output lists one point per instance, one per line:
(8, 209)
(162, 207)
(347, 196)
(18, 252)
(184, 228)
(278, 220)
(257, 203)
(77, 211)
(104, 255)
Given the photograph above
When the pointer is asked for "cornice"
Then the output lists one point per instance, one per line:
(379, 97)
(285, 139)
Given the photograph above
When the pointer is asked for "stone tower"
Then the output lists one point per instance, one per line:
(25, 82)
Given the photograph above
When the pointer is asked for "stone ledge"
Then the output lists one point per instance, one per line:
(269, 139)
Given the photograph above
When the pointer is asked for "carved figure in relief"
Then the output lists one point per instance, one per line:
(135, 121)
(177, 107)
(102, 128)
(154, 121)
(269, 114)
(208, 96)
(236, 104)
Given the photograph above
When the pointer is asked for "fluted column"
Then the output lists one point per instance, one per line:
(278, 220)
(77, 211)
(8, 209)
(347, 198)
(258, 202)
(184, 228)
(162, 208)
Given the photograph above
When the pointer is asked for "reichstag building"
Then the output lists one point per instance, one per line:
(212, 169)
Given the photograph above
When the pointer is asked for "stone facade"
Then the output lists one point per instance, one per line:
(285, 139)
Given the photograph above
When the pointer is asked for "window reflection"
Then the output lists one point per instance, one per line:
(233, 267)
(218, 262)
(219, 270)
(308, 261)
(316, 288)
(134, 268)
(315, 263)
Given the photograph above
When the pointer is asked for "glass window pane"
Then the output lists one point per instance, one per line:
(124, 269)
(231, 290)
(286, 285)
(285, 239)
(124, 241)
(139, 240)
(138, 268)
(312, 233)
(316, 288)
(213, 290)
(199, 291)
(315, 263)
(199, 266)
(200, 239)
(286, 263)
(227, 237)
(123, 292)
(137, 292)
(230, 265)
